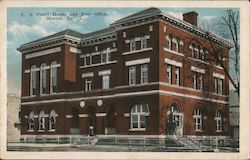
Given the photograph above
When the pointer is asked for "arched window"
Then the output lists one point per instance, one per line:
(198, 119)
(218, 118)
(138, 116)
(32, 80)
(52, 120)
(31, 121)
(43, 78)
(41, 121)
(53, 77)
(174, 108)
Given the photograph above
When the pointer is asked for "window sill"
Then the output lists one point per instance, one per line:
(198, 60)
(219, 131)
(51, 130)
(30, 130)
(199, 131)
(219, 67)
(98, 64)
(41, 131)
(174, 52)
(137, 129)
(136, 51)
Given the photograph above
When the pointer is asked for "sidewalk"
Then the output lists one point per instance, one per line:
(37, 145)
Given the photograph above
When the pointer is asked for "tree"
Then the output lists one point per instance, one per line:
(231, 21)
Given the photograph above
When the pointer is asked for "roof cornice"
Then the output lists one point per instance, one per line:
(140, 20)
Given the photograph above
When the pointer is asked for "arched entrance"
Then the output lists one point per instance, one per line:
(110, 127)
(74, 129)
(92, 120)
(175, 120)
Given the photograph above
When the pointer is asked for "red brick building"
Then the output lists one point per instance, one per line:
(147, 74)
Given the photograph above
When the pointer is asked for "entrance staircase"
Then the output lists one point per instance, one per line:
(191, 144)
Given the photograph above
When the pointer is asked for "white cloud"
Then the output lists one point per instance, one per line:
(113, 16)
(20, 30)
(176, 14)
(208, 18)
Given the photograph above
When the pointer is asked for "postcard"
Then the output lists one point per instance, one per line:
(124, 80)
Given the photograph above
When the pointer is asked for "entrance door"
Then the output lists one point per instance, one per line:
(111, 121)
(178, 119)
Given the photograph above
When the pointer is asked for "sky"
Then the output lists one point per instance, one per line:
(27, 24)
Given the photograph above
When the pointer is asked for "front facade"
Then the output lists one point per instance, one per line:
(147, 74)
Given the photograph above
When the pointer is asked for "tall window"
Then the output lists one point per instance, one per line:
(177, 76)
(105, 55)
(218, 85)
(33, 80)
(31, 121)
(41, 121)
(138, 116)
(53, 77)
(43, 78)
(194, 80)
(201, 81)
(170, 42)
(132, 75)
(105, 81)
(144, 73)
(132, 44)
(52, 120)
(169, 74)
(88, 84)
(198, 80)
(198, 119)
(144, 42)
(218, 118)
(178, 45)
(193, 50)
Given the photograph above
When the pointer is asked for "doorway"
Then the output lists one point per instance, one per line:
(110, 127)
(92, 121)
(175, 121)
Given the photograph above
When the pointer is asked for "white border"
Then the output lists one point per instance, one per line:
(244, 99)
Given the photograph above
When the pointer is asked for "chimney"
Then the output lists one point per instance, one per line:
(190, 17)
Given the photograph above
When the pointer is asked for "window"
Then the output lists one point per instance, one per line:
(41, 121)
(88, 84)
(201, 81)
(43, 78)
(132, 44)
(138, 116)
(169, 74)
(194, 80)
(177, 76)
(198, 80)
(52, 120)
(144, 73)
(144, 42)
(178, 45)
(53, 77)
(33, 80)
(31, 121)
(218, 118)
(193, 50)
(105, 81)
(132, 75)
(88, 60)
(105, 55)
(198, 119)
(170, 42)
(113, 44)
(218, 85)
